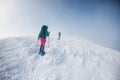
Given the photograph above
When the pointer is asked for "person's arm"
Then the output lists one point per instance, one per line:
(48, 33)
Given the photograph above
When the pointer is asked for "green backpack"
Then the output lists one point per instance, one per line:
(43, 33)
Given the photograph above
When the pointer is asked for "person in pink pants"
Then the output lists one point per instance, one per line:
(42, 37)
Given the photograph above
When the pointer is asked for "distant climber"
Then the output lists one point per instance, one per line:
(42, 38)
(59, 35)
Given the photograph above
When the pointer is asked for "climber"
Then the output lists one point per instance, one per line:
(42, 38)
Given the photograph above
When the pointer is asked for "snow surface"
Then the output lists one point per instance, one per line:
(66, 59)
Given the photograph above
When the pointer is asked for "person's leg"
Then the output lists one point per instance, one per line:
(41, 47)
(43, 43)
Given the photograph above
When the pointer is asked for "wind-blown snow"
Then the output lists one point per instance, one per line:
(66, 59)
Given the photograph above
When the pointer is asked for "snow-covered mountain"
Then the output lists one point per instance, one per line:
(65, 59)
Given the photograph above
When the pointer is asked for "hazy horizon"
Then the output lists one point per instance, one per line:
(94, 20)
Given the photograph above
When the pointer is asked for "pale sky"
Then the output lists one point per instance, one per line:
(94, 20)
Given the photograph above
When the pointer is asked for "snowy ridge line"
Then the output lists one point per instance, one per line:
(65, 59)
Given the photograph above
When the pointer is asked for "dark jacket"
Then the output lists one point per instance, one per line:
(44, 32)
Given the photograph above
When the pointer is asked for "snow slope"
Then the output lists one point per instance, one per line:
(66, 59)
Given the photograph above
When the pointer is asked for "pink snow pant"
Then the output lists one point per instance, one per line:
(42, 41)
